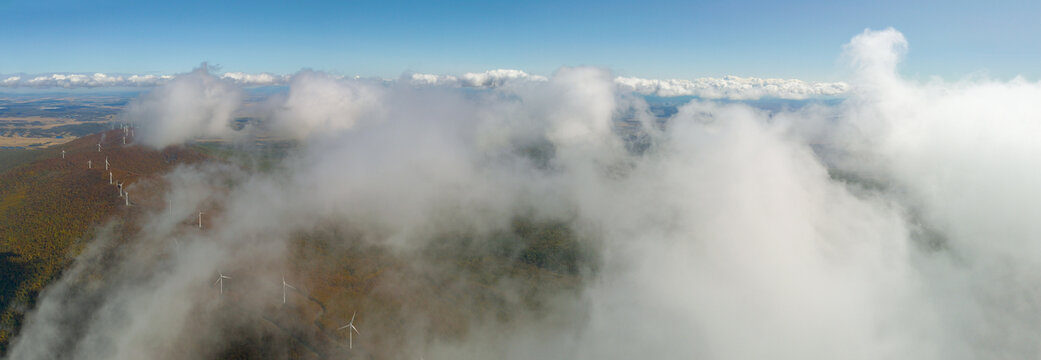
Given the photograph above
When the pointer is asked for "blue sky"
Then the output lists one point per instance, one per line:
(653, 39)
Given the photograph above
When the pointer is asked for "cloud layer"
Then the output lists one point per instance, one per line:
(100, 80)
(734, 87)
(730, 87)
(900, 223)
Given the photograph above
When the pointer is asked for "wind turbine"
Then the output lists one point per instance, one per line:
(349, 327)
(110, 178)
(88, 164)
(62, 153)
(284, 286)
(99, 147)
(106, 163)
(127, 197)
(120, 185)
(220, 280)
(200, 219)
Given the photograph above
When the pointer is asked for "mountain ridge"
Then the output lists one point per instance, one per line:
(50, 204)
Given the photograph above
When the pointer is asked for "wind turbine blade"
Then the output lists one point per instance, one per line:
(352, 317)
(343, 327)
(291, 286)
(355, 329)
(215, 282)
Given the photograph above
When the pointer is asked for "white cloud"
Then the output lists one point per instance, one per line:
(247, 79)
(432, 80)
(96, 80)
(188, 106)
(733, 87)
(499, 77)
(318, 103)
(730, 87)
(487, 79)
(82, 80)
(964, 156)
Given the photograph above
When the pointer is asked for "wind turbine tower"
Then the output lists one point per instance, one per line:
(284, 286)
(88, 164)
(200, 219)
(350, 327)
(220, 281)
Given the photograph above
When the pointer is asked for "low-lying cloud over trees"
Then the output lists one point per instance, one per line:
(899, 223)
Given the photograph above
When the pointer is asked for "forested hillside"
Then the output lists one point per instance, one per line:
(52, 207)
(49, 207)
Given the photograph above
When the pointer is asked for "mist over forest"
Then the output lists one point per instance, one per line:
(567, 217)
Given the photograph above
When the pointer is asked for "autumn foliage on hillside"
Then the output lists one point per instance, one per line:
(49, 207)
